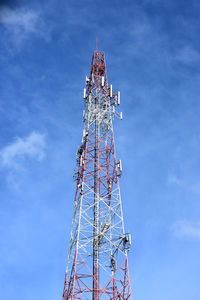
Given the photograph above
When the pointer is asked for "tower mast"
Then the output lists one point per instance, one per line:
(96, 208)
(97, 266)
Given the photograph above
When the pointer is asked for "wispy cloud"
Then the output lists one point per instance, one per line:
(31, 146)
(173, 179)
(187, 229)
(188, 55)
(193, 187)
(21, 23)
(25, 20)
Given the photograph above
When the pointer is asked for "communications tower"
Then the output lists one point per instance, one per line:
(97, 265)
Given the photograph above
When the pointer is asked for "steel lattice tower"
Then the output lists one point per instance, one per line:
(97, 266)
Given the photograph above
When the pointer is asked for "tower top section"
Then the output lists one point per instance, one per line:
(97, 83)
(98, 68)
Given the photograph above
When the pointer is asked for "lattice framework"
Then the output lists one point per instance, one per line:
(97, 266)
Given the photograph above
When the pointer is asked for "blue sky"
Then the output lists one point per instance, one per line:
(153, 57)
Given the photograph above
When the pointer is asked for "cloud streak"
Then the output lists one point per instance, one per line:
(183, 184)
(188, 55)
(25, 20)
(173, 179)
(21, 23)
(31, 146)
(186, 229)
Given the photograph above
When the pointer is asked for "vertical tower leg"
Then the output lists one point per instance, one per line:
(96, 213)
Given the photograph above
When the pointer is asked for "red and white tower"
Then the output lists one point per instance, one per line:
(97, 266)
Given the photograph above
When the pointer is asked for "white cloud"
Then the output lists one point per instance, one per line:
(173, 179)
(188, 55)
(21, 23)
(31, 146)
(186, 229)
(183, 184)
(25, 20)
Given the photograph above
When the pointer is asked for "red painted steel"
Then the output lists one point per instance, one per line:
(98, 175)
